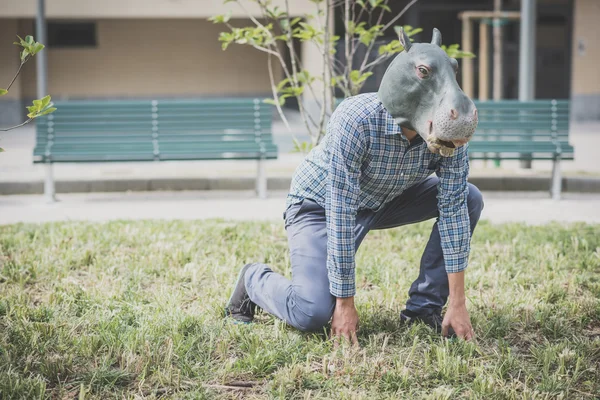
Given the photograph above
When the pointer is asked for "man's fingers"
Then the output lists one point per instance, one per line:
(470, 334)
(345, 336)
(445, 329)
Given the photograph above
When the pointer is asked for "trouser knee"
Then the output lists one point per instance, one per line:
(475, 201)
(314, 317)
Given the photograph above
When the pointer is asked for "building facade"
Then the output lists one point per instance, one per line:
(164, 49)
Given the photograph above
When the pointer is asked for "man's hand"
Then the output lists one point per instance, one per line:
(457, 317)
(345, 320)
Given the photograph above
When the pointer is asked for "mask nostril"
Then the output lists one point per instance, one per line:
(475, 113)
(453, 114)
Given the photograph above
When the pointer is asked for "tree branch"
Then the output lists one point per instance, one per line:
(17, 126)
(276, 97)
(400, 14)
(326, 46)
(347, 38)
(366, 58)
(17, 74)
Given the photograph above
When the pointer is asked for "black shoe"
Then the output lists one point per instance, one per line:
(239, 306)
(432, 319)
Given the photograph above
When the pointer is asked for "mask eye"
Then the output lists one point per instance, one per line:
(423, 72)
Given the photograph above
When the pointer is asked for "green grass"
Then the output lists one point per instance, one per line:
(134, 310)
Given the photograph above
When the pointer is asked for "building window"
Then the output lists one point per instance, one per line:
(72, 34)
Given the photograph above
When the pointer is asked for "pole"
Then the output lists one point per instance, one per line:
(498, 52)
(484, 78)
(42, 86)
(467, 63)
(527, 56)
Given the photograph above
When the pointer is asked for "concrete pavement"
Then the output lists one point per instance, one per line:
(18, 174)
(528, 207)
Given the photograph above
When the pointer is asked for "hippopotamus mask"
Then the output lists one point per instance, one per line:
(420, 91)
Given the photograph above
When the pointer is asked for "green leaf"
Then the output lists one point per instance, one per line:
(454, 51)
(281, 84)
(357, 78)
(337, 79)
(221, 18)
(1, 150)
(40, 107)
(21, 42)
(29, 40)
(46, 101)
(272, 102)
(24, 55)
(302, 147)
(47, 111)
(37, 48)
(3, 92)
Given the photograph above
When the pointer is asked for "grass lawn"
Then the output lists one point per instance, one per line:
(134, 310)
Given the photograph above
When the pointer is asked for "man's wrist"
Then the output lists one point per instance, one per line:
(457, 289)
(344, 301)
(457, 301)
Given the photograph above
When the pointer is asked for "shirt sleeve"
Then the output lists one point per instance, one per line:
(341, 202)
(453, 223)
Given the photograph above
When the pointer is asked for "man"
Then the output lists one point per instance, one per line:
(372, 171)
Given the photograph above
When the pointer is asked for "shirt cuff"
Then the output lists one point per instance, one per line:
(342, 285)
(456, 262)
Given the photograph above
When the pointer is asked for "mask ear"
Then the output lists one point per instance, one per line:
(437, 37)
(404, 40)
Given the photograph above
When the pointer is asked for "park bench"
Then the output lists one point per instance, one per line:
(530, 130)
(156, 130)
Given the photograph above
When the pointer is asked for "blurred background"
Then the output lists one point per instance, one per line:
(168, 50)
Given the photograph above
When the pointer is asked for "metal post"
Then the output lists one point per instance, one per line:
(527, 56)
(484, 65)
(498, 52)
(556, 188)
(467, 63)
(261, 180)
(42, 87)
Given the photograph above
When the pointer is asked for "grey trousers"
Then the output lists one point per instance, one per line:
(305, 302)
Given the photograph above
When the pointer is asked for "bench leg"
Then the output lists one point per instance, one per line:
(261, 180)
(49, 192)
(556, 180)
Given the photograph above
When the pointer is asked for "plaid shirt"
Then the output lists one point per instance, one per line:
(363, 162)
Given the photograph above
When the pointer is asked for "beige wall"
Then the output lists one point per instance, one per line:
(136, 8)
(139, 58)
(586, 66)
(9, 58)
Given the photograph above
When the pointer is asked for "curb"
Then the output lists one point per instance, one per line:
(486, 183)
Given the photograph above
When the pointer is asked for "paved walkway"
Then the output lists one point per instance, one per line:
(530, 207)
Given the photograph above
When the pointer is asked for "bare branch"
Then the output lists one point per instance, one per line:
(366, 58)
(326, 46)
(17, 126)
(17, 74)
(347, 37)
(276, 97)
(400, 14)
(378, 60)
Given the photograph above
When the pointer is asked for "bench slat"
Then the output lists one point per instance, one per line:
(192, 129)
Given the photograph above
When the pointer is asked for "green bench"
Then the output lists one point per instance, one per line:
(517, 130)
(156, 130)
